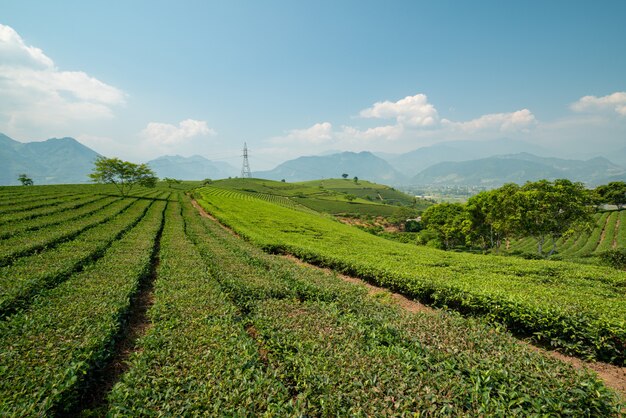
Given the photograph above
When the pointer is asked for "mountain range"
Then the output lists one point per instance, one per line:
(472, 163)
(363, 165)
(54, 161)
(518, 168)
(195, 167)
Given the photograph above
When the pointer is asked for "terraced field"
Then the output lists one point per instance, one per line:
(608, 233)
(581, 309)
(142, 307)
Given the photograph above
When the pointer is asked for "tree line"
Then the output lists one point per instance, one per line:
(544, 210)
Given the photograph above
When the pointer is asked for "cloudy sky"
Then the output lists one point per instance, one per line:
(145, 78)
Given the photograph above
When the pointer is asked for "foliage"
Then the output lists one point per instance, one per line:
(25, 180)
(579, 308)
(343, 353)
(171, 181)
(344, 175)
(614, 258)
(447, 220)
(613, 193)
(123, 174)
(57, 344)
(235, 331)
(552, 209)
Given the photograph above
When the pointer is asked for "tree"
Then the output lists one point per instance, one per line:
(123, 174)
(401, 216)
(206, 182)
(171, 181)
(613, 193)
(25, 180)
(552, 210)
(356, 180)
(446, 220)
(344, 175)
(349, 197)
(492, 217)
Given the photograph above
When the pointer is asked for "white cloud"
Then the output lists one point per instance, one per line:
(412, 111)
(520, 120)
(36, 93)
(167, 135)
(354, 135)
(14, 51)
(319, 133)
(615, 102)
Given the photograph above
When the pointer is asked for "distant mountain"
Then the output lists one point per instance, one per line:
(415, 161)
(363, 165)
(618, 156)
(518, 168)
(195, 167)
(54, 161)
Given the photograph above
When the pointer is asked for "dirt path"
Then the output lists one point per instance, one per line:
(617, 224)
(613, 377)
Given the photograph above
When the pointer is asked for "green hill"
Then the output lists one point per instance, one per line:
(333, 196)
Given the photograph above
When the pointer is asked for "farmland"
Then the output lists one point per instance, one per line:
(607, 233)
(581, 309)
(231, 330)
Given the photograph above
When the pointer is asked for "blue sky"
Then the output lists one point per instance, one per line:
(145, 78)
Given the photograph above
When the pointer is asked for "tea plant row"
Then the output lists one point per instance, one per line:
(581, 309)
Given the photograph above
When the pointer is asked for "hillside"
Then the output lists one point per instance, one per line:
(195, 167)
(518, 168)
(207, 323)
(54, 161)
(608, 233)
(332, 196)
(363, 165)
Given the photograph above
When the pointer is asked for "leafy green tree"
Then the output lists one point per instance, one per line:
(349, 197)
(344, 175)
(25, 180)
(550, 210)
(401, 215)
(613, 193)
(356, 180)
(123, 174)
(492, 217)
(447, 221)
(171, 181)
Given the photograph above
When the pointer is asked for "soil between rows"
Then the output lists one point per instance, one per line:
(613, 376)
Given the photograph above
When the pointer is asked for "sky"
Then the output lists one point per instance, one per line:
(139, 79)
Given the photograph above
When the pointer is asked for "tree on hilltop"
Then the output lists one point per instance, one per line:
(25, 180)
(123, 175)
(171, 181)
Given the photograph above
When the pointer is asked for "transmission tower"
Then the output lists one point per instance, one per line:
(245, 169)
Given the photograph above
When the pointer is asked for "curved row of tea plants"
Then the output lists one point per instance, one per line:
(196, 359)
(63, 213)
(579, 308)
(608, 233)
(342, 353)
(50, 350)
(31, 241)
(29, 275)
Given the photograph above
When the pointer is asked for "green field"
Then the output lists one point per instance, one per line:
(230, 330)
(328, 196)
(581, 309)
(608, 233)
